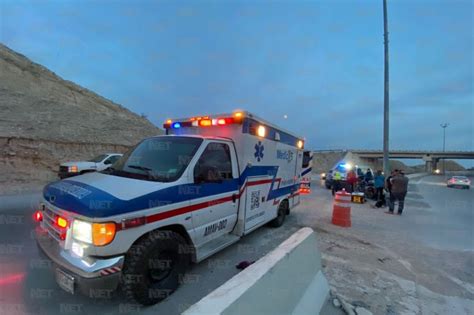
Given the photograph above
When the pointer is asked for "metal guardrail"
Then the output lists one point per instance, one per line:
(406, 153)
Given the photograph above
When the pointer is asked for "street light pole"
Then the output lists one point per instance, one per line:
(386, 165)
(444, 126)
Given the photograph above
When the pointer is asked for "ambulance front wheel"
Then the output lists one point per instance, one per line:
(154, 267)
(283, 210)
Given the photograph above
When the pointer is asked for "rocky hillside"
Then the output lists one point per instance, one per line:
(451, 166)
(45, 120)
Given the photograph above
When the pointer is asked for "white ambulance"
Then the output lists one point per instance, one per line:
(169, 201)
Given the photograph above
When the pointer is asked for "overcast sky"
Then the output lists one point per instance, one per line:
(319, 62)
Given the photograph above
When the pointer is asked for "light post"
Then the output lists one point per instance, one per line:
(386, 165)
(444, 126)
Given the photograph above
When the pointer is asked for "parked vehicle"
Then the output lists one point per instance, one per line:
(459, 182)
(98, 163)
(343, 168)
(169, 201)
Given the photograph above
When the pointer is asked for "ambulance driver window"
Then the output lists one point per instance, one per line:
(214, 165)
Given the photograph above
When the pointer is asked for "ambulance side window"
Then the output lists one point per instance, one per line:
(306, 159)
(214, 165)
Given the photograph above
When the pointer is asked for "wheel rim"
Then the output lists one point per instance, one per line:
(161, 265)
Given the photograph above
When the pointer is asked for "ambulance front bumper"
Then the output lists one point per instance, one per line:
(89, 276)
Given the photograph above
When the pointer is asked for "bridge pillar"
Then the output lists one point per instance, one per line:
(435, 164)
(428, 167)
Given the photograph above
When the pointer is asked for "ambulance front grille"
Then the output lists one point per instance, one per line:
(49, 220)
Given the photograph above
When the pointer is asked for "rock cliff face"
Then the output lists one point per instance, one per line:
(45, 120)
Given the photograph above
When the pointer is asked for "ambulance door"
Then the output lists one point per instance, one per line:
(216, 181)
(297, 176)
(255, 205)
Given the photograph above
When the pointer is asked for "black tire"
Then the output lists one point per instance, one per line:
(154, 267)
(283, 209)
(370, 194)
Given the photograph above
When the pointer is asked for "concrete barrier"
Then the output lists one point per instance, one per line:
(417, 175)
(288, 280)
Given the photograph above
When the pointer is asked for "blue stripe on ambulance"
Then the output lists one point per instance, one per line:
(306, 171)
(101, 204)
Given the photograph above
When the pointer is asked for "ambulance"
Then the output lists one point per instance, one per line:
(305, 179)
(171, 200)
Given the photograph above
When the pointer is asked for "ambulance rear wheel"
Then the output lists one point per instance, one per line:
(282, 211)
(154, 267)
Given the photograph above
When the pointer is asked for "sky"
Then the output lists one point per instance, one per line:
(320, 63)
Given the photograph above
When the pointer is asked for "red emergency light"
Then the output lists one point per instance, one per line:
(38, 216)
(204, 121)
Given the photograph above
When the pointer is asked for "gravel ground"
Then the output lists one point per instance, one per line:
(384, 264)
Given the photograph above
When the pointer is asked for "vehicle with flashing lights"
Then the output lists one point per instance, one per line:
(169, 201)
(98, 163)
(343, 169)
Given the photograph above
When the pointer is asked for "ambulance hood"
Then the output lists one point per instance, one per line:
(102, 195)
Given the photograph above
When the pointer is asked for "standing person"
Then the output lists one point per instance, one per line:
(368, 176)
(379, 183)
(352, 180)
(399, 192)
(336, 181)
(388, 183)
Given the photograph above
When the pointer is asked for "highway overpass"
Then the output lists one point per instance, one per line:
(371, 157)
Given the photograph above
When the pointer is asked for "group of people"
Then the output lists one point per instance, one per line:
(396, 185)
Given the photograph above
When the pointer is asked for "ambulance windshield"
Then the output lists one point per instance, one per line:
(161, 159)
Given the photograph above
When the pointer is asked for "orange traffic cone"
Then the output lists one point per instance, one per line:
(341, 212)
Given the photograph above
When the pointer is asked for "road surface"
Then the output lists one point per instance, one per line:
(435, 216)
(27, 284)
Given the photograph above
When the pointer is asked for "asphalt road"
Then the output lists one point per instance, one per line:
(435, 215)
(445, 216)
(27, 284)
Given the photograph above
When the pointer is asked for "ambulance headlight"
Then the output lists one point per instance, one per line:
(98, 234)
(82, 231)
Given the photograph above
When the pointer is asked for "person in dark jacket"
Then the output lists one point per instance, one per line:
(388, 183)
(368, 176)
(398, 192)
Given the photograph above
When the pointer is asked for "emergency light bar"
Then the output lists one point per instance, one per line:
(204, 121)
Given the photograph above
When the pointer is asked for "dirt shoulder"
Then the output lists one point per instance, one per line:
(384, 270)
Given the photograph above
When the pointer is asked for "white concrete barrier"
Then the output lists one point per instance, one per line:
(288, 280)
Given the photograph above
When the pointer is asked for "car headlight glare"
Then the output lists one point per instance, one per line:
(73, 169)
